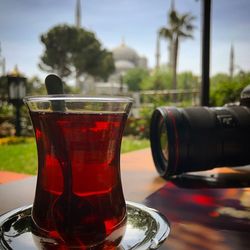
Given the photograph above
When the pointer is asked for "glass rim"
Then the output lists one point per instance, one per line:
(81, 98)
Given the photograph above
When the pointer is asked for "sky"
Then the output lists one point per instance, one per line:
(137, 22)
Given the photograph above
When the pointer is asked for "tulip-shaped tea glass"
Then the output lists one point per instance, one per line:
(79, 199)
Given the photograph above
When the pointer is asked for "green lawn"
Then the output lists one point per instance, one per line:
(22, 157)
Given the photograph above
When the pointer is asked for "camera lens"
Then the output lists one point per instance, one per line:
(163, 141)
(199, 138)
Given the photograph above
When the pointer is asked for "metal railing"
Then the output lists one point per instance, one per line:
(175, 97)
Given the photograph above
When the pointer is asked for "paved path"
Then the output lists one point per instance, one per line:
(6, 176)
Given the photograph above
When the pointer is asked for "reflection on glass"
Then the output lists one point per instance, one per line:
(164, 140)
(145, 228)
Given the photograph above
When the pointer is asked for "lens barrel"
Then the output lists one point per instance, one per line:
(199, 138)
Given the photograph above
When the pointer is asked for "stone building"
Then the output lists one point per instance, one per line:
(126, 58)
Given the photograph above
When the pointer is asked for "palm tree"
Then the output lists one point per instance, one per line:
(180, 26)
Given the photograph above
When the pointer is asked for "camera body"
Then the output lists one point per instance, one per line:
(200, 138)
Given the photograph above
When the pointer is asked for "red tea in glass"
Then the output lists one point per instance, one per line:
(79, 199)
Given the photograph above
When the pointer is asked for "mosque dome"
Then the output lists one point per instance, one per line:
(123, 65)
(125, 53)
(125, 58)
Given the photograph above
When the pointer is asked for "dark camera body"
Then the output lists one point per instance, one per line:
(200, 138)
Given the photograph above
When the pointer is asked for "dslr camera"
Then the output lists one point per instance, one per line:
(200, 138)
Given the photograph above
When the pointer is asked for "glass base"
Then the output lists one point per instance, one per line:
(146, 229)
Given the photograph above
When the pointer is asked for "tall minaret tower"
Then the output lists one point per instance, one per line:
(157, 52)
(172, 8)
(2, 62)
(78, 14)
(231, 64)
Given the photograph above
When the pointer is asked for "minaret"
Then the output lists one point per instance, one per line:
(231, 65)
(157, 52)
(172, 8)
(78, 14)
(123, 41)
(2, 62)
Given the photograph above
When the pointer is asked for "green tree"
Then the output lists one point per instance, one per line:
(70, 51)
(134, 78)
(180, 27)
(5, 108)
(219, 78)
(187, 80)
(105, 65)
(159, 80)
(35, 86)
(3, 88)
(223, 90)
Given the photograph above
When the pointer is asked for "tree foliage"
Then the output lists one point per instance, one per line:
(159, 80)
(225, 90)
(134, 78)
(35, 86)
(70, 51)
(3, 88)
(187, 80)
(162, 80)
